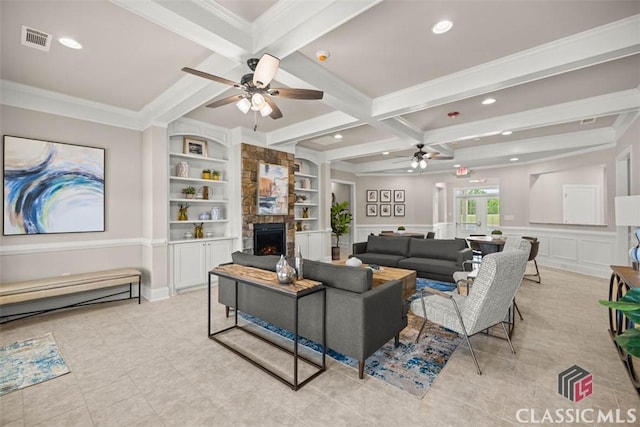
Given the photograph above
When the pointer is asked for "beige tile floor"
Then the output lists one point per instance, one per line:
(152, 364)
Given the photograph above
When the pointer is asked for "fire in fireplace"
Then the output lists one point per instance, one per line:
(269, 239)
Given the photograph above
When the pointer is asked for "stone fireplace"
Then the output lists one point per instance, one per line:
(251, 156)
(269, 239)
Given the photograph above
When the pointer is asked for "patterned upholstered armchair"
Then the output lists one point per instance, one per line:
(494, 288)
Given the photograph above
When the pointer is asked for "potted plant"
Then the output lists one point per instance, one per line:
(629, 304)
(401, 229)
(206, 173)
(215, 175)
(340, 220)
(189, 192)
(496, 234)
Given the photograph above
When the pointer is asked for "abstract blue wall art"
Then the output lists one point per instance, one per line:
(51, 187)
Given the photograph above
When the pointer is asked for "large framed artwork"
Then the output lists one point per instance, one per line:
(273, 189)
(52, 187)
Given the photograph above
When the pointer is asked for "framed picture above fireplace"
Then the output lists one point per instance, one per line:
(273, 189)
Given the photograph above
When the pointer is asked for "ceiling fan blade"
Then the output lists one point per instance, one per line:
(275, 113)
(437, 156)
(225, 101)
(285, 92)
(265, 70)
(210, 77)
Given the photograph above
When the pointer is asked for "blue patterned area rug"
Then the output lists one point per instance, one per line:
(30, 362)
(410, 367)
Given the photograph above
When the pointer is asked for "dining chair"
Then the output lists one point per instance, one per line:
(535, 245)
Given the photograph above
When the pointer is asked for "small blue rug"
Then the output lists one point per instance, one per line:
(30, 362)
(410, 367)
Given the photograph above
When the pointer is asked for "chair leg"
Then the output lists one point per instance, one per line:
(361, 369)
(513, 350)
(537, 275)
(473, 354)
(421, 329)
(396, 340)
(517, 309)
(424, 311)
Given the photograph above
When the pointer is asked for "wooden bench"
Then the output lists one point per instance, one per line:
(19, 292)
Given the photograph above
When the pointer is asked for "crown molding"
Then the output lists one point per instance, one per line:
(36, 99)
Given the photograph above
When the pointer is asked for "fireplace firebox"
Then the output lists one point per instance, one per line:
(269, 239)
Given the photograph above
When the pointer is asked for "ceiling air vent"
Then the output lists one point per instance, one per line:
(35, 38)
(588, 121)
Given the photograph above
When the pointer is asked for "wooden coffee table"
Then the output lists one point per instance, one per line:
(408, 278)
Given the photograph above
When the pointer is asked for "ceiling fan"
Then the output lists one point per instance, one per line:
(255, 86)
(420, 157)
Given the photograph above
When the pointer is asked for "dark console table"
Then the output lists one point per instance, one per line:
(267, 280)
(622, 279)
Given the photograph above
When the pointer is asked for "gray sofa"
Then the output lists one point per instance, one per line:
(359, 319)
(435, 259)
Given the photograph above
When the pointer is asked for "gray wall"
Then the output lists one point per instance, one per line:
(35, 256)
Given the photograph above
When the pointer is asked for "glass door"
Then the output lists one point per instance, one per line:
(477, 211)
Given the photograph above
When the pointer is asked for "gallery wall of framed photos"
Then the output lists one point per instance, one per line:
(385, 203)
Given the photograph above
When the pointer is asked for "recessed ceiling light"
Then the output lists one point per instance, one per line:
(384, 153)
(488, 101)
(456, 166)
(337, 136)
(514, 159)
(507, 132)
(70, 43)
(409, 170)
(442, 27)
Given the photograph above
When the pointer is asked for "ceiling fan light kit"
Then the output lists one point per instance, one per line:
(256, 87)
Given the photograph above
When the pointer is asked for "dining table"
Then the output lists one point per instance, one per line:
(405, 234)
(487, 244)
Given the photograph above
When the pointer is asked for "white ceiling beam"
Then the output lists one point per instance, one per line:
(317, 126)
(597, 106)
(474, 156)
(591, 47)
(211, 27)
(364, 150)
(291, 24)
(338, 94)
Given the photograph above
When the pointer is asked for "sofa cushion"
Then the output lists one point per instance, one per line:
(389, 245)
(265, 262)
(436, 248)
(380, 259)
(352, 279)
(434, 266)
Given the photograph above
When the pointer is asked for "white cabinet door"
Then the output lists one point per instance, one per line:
(218, 252)
(315, 246)
(189, 264)
(302, 242)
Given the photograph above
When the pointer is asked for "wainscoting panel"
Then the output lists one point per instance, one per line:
(565, 248)
(597, 252)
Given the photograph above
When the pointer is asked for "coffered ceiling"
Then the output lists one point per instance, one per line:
(565, 74)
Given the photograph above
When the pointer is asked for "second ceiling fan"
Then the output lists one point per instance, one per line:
(256, 90)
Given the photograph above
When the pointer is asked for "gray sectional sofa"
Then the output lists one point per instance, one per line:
(435, 259)
(359, 319)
